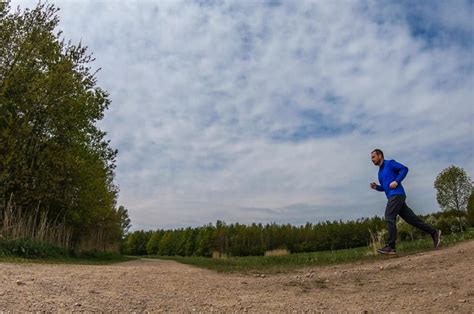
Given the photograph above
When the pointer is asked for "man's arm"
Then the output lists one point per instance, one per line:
(377, 187)
(402, 170)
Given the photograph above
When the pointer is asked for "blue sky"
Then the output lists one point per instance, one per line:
(266, 111)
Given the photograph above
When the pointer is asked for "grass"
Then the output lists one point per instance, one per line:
(275, 264)
(67, 260)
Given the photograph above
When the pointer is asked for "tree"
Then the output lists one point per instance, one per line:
(136, 242)
(470, 209)
(152, 245)
(167, 244)
(453, 187)
(51, 151)
(124, 220)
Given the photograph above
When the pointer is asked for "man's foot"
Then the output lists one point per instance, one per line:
(387, 250)
(436, 238)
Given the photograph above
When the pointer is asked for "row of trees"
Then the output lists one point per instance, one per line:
(52, 154)
(454, 193)
(242, 240)
(256, 239)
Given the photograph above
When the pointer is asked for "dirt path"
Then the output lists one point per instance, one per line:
(435, 281)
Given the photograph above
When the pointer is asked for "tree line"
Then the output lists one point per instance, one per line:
(255, 239)
(53, 157)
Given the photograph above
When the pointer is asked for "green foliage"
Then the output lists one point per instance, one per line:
(449, 222)
(125, 222)
(453, 187)
(255, 239)
(153, 244)
(470, 209)
(406, 232)
(244, 240)
(27, 248)
(167, 245)
(452, 223)
(136, 242)
(52, 155)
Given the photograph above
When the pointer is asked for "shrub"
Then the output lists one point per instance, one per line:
(32, 249)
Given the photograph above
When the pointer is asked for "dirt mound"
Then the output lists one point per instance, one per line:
(435, 281)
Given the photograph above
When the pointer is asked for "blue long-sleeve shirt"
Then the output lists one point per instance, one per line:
(391, 171)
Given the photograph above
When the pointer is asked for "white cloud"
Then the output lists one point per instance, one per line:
(239, 110)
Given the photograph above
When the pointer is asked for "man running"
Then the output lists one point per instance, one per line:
(391, 175)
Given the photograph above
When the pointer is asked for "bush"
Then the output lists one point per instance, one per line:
(32, 249)
(451, 224)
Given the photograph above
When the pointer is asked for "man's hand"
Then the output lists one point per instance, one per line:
(373, 185)
(394, 185)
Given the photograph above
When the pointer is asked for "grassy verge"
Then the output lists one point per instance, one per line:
(28, 251)
(67, 260)
(275, 264)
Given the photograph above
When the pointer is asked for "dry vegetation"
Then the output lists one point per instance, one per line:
(278, 252)
(16, 224)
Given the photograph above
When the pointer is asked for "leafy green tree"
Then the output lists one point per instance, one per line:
(205, 240)
(190, 241)
(166, 245)
(136, 242)
(52, 154)
(470, 209)
(153, 244)
(124, 220)
(453, 187)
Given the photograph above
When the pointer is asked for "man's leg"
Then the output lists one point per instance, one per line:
(394, 205)
(409, 216)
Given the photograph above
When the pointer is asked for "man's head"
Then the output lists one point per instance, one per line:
(377, 157)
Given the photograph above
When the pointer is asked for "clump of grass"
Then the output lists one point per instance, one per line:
(219, 255)
(376, 241)
(277, 252)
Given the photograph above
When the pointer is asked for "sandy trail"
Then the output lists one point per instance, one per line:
(435, 281)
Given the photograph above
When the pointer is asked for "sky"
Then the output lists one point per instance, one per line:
(267, 111)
